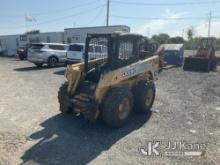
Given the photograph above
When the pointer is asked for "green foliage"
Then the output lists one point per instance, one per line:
(33, 32)
(162, 38)
(190, 32)
(176, 40)
(192, 44)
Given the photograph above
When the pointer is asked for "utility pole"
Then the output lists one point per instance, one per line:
(183, 33)
(210, 21)
(148, 32)
(107, 14)
(26, 24)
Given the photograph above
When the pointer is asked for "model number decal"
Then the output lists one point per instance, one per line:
(140, 68)
(129, 72)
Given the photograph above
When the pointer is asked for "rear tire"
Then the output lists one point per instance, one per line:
(117, 107)
(63, 99)
(21, 57)
(52, 61)
(144, 94)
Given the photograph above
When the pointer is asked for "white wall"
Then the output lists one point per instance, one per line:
(53, 37)
(78, 35)
(10, 43)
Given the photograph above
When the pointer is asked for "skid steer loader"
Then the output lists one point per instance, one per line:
(111, 86)
(205, 59)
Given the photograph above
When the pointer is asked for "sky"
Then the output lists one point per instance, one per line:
(141, 15)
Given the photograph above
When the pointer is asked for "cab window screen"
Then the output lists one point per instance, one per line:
(125, 50)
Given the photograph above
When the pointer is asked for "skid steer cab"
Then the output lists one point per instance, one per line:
(112, 86)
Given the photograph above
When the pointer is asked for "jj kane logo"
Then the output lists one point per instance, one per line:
(175, 148)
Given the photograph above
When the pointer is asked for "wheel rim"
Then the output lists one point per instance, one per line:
(124, 108)
(149, 97)
(53, 62)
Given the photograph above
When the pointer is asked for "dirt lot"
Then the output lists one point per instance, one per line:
(32, 131)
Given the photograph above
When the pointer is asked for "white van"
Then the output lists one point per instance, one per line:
(75, 52)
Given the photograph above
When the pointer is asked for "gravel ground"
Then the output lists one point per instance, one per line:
(32, 131)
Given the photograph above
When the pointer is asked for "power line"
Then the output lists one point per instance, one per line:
(96, 16)
(64, 9)
(164, 4)
(53, 11)
(162, 18)
(70, 16)
(60, 18)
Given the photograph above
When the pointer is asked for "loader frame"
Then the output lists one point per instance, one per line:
(87, 93)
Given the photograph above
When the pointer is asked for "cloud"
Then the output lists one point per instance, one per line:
(202, 29)
(158, 26)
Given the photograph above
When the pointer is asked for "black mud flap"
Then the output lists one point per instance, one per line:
(197, 64)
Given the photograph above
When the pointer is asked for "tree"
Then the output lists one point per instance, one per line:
(190, 32)
(33, 32)
(176, 40)
(161, 38)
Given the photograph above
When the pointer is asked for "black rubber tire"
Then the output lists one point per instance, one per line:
(63, 99)
(140, 95)
(21, 57)
(110, 106)
(39, 65)
(52, 61)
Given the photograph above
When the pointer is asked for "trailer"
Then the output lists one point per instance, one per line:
(173, 54)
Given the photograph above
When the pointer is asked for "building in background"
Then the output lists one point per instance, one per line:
(50, 37)
(78, 35)
(10, 43)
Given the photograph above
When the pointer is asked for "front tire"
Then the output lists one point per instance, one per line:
(144, 94)
(117, 107)
(63, 99)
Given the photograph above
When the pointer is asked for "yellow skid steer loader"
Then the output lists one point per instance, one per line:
(111, 86)
(205, 59)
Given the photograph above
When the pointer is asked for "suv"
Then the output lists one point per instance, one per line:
(50, 53)
(75, 52)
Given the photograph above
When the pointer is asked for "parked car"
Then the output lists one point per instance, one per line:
(49, 53)
(75, 52)
(22, 52)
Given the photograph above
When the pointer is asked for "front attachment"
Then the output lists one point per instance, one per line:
(197, 64)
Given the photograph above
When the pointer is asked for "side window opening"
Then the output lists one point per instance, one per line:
(98, 49)
(57, 47)
(91, 50)
(37, 46)
(126, 50)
